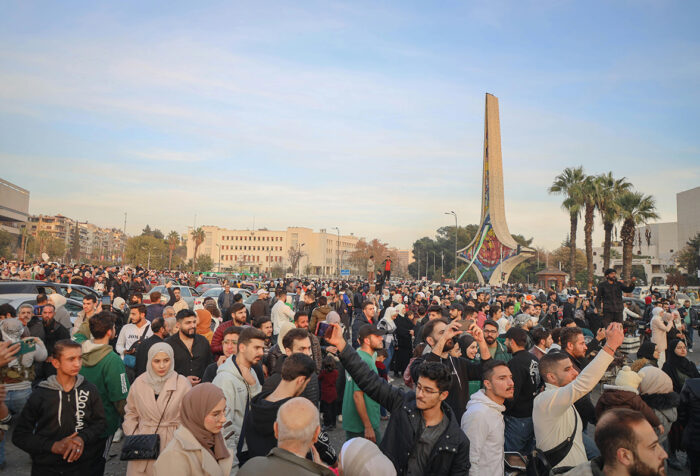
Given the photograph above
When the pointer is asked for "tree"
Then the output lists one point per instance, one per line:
(173, 241)
(147, 250)
(198, 235)
(635, 209)
(688, 258)
(427, 251)
(295, 254)
(203, 263)
(8, 244)
(589, 188)
(608, 188)
(75, 246)
(560, 256)
(365, 249)
(569, 184)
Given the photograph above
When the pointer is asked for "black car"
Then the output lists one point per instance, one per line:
(29, 287)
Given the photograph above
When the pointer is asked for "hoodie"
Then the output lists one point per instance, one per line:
(615, 396)
(51, 414)
(103, 368)
(689, 414)
(238, 394)
(483, 424)
(258, 434)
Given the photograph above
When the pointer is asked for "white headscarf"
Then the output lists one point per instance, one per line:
(154, 379)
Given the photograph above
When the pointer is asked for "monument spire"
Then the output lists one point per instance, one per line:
(493, 253)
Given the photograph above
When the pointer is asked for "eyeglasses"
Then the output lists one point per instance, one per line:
(494, 331)
(427, 391)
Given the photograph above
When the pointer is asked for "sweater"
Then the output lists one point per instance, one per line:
(483, 424)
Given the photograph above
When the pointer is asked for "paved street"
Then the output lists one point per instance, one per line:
(18, 463)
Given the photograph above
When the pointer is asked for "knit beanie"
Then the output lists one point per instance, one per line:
(627, 378)
(654, 380)
(359, 457)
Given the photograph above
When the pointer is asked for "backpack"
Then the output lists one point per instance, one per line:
(542, 463)
(130, 358)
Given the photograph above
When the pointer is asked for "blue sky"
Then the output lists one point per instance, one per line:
(363, 115)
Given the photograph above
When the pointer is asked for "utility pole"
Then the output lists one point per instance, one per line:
(456, 231)
(124, 241)
(337, 259)
(442, 260)
(219, 246)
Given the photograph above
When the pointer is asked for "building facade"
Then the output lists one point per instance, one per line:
(14, 207)
(688, 211)
(321, 253)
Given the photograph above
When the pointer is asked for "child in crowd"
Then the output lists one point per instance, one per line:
(329, 394)
(383, 372)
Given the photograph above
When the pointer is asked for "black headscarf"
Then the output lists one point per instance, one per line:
(646, 351)
(464, 342)
(675, 364)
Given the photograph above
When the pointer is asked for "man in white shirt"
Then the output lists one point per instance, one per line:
(554, 415)
(280, 311)
(134, 330)
(483, 421)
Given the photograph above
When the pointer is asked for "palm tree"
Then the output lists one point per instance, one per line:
(589, 189)
(569, 183)
(608, 189)
(635, 209)
(173, 240)
(198, 236)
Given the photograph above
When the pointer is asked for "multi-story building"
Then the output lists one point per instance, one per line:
(321, 253)
(14, 207)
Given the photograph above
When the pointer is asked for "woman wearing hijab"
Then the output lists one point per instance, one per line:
(204, 324)
(198, 447)
(660, 325)
(469, 348)
(647, 355)
(680, 369)
(157, 392)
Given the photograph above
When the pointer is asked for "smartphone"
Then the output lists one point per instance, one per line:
(106, 301)
(322, 328)
(465, 324)
(26, 346)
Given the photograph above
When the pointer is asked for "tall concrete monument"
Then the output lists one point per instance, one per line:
(493, 253)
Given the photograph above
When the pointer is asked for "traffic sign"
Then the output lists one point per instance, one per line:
(345, 272)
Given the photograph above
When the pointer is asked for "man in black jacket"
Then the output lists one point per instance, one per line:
(62, 423)
(610, 297)
(423, 434)
(441, 338)
(365, 317)
(520, 432)
(191, 350)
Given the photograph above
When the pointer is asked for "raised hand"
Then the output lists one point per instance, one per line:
(614, 335)
(335, 338)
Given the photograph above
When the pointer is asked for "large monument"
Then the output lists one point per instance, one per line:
(493, 253)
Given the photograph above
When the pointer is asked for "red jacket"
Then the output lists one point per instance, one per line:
(329, 394)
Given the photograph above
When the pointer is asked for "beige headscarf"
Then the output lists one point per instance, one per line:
(196, 405)
(359, 457)
(154, 379)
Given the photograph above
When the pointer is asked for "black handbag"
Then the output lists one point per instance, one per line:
(137, 447)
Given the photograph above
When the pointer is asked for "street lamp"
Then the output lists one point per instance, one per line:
(299, 257)
(337, 259)
(219, 246)
(456, 229)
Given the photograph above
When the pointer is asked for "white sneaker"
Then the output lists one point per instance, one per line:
(690, 350)
(118, 435)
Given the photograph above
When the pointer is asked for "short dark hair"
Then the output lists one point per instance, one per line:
(539, 334)
(259, 321)
(383, 353)
(248, 334)
(87, 297)
(155, 297)
(157, 324)
(430, 327)
(184, 314)
(101, 323)
(297, 365)
(488, 367)
(490, 322)
(517, 335)
(62, 345)
(236, 307)
(508, 304)
(493, 310)
(435, 308)
(141, 308)
(41, 298)
(279, 292)
(322, 300)
(366, 303)
(556, 335)
(298, 314)
(569, 334)
(549, 361)
(137, 295)
(437, 372)
(566, 322)
(7, 309)
(468, 311)
(292, 335)
(616, 431)
(232, 330)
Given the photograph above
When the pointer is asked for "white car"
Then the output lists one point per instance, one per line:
(16, 300)
(214, 293)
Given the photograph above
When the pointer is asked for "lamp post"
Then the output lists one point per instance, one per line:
(337, 259)
(299, 257)
(219, 247)
(456, 230)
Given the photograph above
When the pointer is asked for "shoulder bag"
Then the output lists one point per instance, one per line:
(147, 446)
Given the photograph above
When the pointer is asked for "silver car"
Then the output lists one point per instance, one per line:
(214, 293)
(186, 292)
(73, 306)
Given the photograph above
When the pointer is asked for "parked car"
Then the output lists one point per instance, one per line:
(78, 291)
(247, 302)
(73, 306)
(206, 286)
(29, 287)
(186, 292)
(214, 293)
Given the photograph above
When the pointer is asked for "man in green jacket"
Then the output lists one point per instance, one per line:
(496, 348)
(105, 369)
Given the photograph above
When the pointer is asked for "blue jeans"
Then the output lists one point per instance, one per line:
(519, 434)
(387, 363)
(592, 450)
(15, 401)
(689, 332)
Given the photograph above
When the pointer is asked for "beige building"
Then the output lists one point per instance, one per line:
(323, 253)
(14, 207)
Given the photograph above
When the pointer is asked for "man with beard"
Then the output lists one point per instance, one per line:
(609, 296)
(191, 350)
(238, 319)
(239, 381)
(629, 447)
(361, 414)
(497, 350)
(441, 336)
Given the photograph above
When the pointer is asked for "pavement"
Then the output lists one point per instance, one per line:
(19, 463)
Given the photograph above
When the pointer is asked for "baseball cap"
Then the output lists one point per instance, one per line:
(369, 329)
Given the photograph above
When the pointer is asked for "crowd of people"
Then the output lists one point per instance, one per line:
(423, 378)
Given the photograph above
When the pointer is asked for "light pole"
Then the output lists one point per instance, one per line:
(299, 257)
(456, 230)
(219, 247)
(337, 259)
(442, 259)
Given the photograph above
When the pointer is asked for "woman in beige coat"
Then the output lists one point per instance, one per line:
(158, 391)
(659, 330)
(198, 448)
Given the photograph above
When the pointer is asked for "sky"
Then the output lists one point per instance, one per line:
(363, 115)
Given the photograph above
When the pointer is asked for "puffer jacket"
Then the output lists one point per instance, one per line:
(614, 396)
(449, 456)
(689, 414)
(665, 407)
